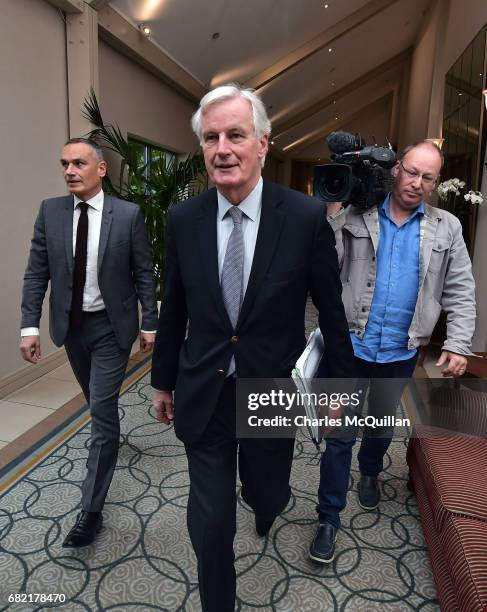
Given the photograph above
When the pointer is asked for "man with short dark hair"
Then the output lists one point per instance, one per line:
(93, 249)
(240, 262)
(402, 262)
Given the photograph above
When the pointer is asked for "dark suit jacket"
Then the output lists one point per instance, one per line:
(125, 271)
(294, 255)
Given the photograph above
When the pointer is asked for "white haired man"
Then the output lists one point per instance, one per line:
(241, 260)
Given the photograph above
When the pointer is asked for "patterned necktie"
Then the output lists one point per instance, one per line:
(232, 272)
(79, 272)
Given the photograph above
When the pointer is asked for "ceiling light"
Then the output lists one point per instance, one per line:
(334, 101)
(332, 83)
(437, 141)
(336, 118)
(326, 5)
(144, 30)
(460, 93)
(272, 142)
(330, 49)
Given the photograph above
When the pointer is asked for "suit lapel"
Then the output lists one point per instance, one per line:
(270, 227)
(68, 230)
(209, 250)
(106, 222)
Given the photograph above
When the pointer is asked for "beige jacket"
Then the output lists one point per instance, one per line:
(445, 275)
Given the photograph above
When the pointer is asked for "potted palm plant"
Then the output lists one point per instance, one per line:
(153, 187)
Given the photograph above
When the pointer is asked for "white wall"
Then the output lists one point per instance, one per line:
(34, 126)
(143, 105)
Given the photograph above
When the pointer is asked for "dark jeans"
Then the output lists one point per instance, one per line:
(335, 463)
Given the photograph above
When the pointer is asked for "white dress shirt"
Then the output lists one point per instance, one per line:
(92, 300)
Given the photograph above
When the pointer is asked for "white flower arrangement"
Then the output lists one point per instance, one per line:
(449, 190)
(451, 186)
(475, 197)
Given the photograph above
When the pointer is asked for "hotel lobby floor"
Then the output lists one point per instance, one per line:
(143, 558)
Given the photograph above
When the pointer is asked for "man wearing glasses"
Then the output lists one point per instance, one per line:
(401, 262)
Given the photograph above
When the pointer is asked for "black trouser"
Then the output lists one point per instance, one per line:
(264, 467)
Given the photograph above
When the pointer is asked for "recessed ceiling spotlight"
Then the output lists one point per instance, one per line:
(215, 35)
(272, 142)
(144, 30)
(334, 101)
(460, 93)
(330, 49)
(326, 5)
(481, 74)
(336, 118)
(332, 83)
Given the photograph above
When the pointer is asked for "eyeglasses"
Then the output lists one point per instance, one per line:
(426, 179)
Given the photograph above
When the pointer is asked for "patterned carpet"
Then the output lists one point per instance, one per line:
(143, 559)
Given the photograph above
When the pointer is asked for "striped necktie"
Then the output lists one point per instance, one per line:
(232, 272)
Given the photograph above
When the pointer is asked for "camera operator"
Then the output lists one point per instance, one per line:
(402, 262)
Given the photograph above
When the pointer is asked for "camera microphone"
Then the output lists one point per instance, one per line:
(343, 142)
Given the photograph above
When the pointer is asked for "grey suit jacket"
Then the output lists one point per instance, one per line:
(125, 271)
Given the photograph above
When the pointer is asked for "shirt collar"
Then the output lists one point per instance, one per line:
(95, 202)
(384, 208)
(250, 205)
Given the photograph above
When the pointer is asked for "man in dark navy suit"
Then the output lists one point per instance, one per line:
(241, 261)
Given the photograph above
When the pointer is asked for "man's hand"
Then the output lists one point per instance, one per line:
(457, 364)
(163, 405)
(30, 348)
(147, 341)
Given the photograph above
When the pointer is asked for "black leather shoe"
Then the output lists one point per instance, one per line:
(263, 525)
(368, 492)
(85, 530)
(322, 549)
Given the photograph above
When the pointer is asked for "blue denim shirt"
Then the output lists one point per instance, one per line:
(396, 290)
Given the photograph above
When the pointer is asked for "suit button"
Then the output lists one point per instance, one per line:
(369, 284)
(234, 339)
(364, 309)
(220, 371)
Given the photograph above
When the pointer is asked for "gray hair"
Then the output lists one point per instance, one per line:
(91, 143)
(262, 124)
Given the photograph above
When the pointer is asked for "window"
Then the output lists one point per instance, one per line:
(148, 155)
